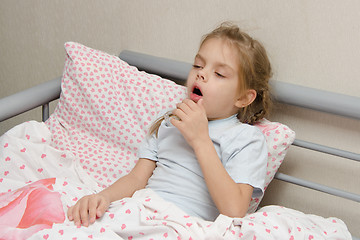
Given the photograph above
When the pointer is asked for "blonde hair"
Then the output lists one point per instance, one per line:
(254, 69)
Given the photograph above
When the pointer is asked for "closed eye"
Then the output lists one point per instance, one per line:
(219, 75)
(196, 66)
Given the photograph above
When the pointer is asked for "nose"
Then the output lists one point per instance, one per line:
(201, 75)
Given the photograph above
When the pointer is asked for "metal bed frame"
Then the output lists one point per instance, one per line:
(290, 94)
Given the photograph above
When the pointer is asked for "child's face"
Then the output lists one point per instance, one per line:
(215, 78)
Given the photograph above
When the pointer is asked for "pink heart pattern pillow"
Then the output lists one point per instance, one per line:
(279, 138)
(106, 107)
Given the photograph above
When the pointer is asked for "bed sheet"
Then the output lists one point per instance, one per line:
(39, 182)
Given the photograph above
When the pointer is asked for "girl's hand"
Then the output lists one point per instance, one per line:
(193, 122)
(87, 209)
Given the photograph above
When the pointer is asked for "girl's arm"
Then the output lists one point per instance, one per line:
(89, 207)
(231, 199)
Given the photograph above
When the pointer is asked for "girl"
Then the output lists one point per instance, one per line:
(207, 159)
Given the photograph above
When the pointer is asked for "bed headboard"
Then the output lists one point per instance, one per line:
(283, 92)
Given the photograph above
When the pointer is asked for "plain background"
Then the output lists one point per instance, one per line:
(310, 43)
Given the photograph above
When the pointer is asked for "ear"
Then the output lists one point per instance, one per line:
(246, 99)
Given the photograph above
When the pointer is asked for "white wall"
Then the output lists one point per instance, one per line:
(310, 43)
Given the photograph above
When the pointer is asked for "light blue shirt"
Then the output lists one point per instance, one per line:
(178, 177)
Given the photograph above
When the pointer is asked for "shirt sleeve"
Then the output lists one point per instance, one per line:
(245, 158)
(149, 148)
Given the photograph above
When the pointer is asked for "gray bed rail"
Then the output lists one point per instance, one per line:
(39, 95)
(286, 93)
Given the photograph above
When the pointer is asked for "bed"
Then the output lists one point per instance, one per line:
(105, 105)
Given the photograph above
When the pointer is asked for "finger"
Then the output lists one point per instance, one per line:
(177, 123)
(190, 103)
(179, 113)
(69, 213)
(92, 210)
(200, 103)
(76, 215)
(103, 206)
(84, 213)
(183, 106)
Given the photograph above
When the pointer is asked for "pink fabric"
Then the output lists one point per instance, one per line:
(29, 209)
(279, 138)
(105, 109)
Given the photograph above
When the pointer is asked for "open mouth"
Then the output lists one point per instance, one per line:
(197, 91)
(196, 94)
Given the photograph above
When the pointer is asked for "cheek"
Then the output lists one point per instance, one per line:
(189, 83)
(188, 88)
(192, 75)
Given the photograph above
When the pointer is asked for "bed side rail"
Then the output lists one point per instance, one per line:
(287, 93)
(39, 95)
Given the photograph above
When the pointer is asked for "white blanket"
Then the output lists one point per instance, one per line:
(38, 183)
